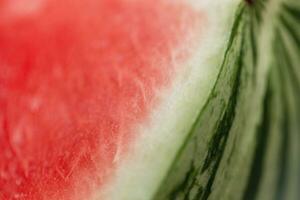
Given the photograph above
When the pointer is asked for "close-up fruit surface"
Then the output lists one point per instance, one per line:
(149, 100)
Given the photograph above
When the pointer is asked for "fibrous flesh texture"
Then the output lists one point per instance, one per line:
(76, 77)
(141, 99)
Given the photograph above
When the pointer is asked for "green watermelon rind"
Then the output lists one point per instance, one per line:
(227, 160)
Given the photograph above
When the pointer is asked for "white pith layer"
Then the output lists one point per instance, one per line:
(141, 171)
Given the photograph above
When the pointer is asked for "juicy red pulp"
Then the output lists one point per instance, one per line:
(75, 77)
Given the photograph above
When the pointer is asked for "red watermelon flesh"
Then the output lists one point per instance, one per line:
(75, 78)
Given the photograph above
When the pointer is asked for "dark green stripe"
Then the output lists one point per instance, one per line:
(283, 67)
(293, 11)
(217, 146)
(292, 30)
(286, 61)
(253, 43)
(262, 136)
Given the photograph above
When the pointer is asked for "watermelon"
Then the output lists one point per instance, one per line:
(141, 100)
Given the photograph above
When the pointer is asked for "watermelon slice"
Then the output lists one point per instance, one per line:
(140, 100)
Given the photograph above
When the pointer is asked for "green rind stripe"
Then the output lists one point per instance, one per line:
(260, 150)
(221, 118)
(234, 151)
